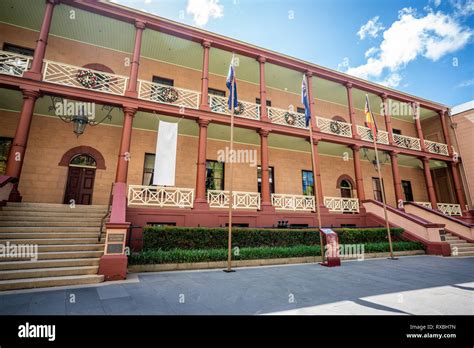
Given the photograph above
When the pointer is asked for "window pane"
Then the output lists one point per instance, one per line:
(214, 175)
(270, 179)
(148, 169)
(83, 160)
(308, 183)
(163, 81)
(5, 144)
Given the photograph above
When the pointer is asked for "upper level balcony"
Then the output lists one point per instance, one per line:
(103, 82)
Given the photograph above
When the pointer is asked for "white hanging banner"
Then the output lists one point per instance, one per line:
(165, 160)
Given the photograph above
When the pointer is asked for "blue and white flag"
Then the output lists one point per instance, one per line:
(305, 100)
(231, 85)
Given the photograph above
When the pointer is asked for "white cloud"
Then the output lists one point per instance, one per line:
(466, 83)
(203, 10)
(371, 28)
(431, 36)
(463, 8)
(436, 3)
(392, 80)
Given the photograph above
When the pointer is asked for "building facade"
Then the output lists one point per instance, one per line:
(132, 69)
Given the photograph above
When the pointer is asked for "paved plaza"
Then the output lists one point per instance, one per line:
(411, 285)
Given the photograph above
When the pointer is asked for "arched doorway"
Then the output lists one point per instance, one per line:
(80, 180)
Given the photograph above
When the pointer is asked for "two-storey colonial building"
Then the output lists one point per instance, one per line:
(136, 69)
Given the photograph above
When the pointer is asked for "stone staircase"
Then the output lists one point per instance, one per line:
(459, 247)
(68, 250)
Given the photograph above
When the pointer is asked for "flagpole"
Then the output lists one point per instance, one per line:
(316, 191)
(231, 198)
(379, 172)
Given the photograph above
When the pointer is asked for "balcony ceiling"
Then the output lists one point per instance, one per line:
(109, 33)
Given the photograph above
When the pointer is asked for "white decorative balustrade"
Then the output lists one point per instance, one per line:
(438, 148)
(329, 126)
(366, 134)
(245, 109)
(158, 196)
(286, 118)
(407, 142)
(168, 95)
(293, 202)
(342, 205)
(241, 200)
(74, 76)
(450, 209)
(14, 64)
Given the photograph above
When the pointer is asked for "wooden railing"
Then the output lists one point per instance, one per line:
(245, 109)
(14, 64)
(293, 202)
(329, 126)
(450, 209)
(74, 76)
(286, 117)
(342, 205)
(366, 134)
(241, 200)
(168, 95)
(407, 142)
(157, 196)
(438, 148)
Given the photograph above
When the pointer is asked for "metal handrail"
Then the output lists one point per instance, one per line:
(107, 214)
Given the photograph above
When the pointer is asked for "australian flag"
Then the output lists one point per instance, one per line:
(305, 100)
(231, 85)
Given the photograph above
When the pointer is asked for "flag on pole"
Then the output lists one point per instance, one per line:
(369, 118)
(305, 100)
(232, 85)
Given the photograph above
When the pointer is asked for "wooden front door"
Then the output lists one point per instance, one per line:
(80, 185)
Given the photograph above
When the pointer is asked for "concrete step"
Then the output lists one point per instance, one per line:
(37, 235)
(15, 284)
(47, 272)
(457, 241)
(465, 247)
(49, 224)
(13, 265)
(53, 241)
(49, 229)
(48, 255)
(452, 238)
(53, 209)
(77, 220)
(54, 205)
(464, 253)
(71, 247)
(71, 214)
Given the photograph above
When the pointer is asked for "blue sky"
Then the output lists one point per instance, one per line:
(425, 48)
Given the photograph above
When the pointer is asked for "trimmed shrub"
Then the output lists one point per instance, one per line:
(208, 255)
(168, 238)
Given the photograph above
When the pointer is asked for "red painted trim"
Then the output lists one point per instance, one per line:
(127, 15)
(347, 178)
(80, 150)
(4, 179)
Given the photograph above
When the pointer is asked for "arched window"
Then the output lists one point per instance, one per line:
(338, 118)
(346, 189)
(83, 160)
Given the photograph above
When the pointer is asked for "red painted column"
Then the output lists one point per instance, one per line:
(200, 200)
(263, 91)
(40, 49)
(350, 104)
(418, 126)
(124, 153)
(429, 182)
(388, 119)
(442, 115)
(132, 82)
(396, 178)
(314, 123)
(265, 193)
(458, 186)
(205, 76)
(18, 148)
(317, 175)
(358, 173)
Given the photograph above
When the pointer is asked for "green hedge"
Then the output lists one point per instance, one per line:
(168, 238)
(207, 255)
